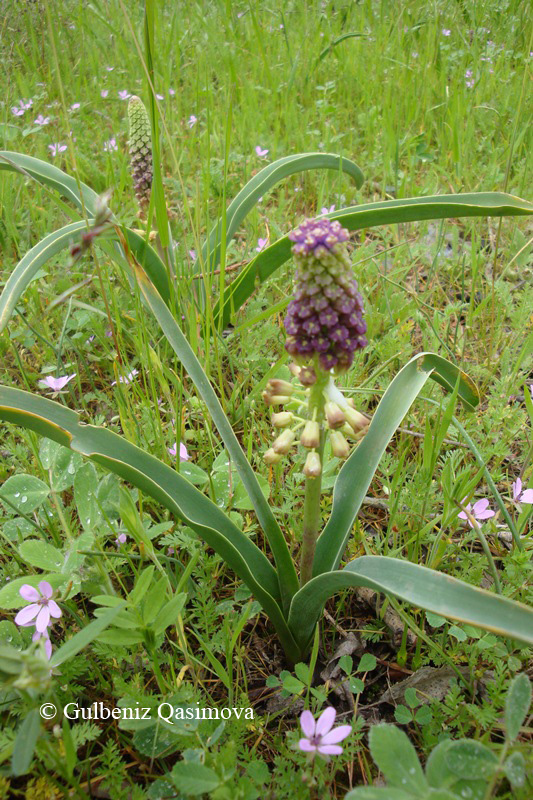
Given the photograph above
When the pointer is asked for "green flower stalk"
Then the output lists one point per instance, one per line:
(140, 151)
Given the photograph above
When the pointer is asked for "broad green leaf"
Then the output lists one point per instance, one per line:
(441, 776)
(471, 760)
(422, 587)
(356, 474)
(483, 204)
(261, 183)
(85, 496)
(515, 770)
(169, 613)
(141, 585)
(288, 580)
(61, 463)
(24, 492)
(42, 555)
(194, 779)
(9, 634)
(155, 741)
(160, 482)
(24, 746)
(397, 759)
(80, 640)
(517, 704)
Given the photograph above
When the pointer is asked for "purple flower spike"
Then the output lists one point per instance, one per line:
(326, 305)
(319, 736)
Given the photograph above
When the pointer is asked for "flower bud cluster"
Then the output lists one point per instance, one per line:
(338, 422)
(140, 151)
(325, 318)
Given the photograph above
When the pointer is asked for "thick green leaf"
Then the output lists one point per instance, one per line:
(397, 759)
(194, 779)
(24, 492)
(420, 586)
(261, 183)
(470, 760)
(31, 263)
(483, 204)
(357, 473)
(79, 193)
(160, 482)
(288, 581)
(377, 793)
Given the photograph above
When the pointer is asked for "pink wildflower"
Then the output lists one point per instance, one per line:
(42, 607)
(320, 738)
(480, 511)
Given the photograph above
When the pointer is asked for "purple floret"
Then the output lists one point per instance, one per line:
(326, 316)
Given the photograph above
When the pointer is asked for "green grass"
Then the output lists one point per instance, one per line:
(396, 100)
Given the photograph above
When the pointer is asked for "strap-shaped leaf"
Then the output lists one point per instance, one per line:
(68, 187)
(357, 472)
(420, 586)
(80, 194)
(261, 183)
(157, 480)
(31, 263)
(482, 204)
(288, 580)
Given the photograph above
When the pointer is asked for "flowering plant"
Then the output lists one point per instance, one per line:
(325, 327)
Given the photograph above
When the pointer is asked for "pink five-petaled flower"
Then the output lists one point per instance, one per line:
(110, 145)
(326, 210)
(320, 738)
(261, 244)
(56, 148)
(124, 94)
(56, 384)
(184, 456)
(480, 511)
(75, 106)
(522, 495)
(104, 92)
(191, 122)
(41, 120)
(41, 607)
(260, 152)
(121, 539)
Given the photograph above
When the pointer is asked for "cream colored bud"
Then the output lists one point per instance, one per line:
(356, 420)
(312, 467)
(334, 416)
(277, 387)
(274, 399)
(339, 446)
(282, 419)
(295, 369)
(271, 457)
(284, 442)
(310, 437)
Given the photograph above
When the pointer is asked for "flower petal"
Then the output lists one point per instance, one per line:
(527, 496)
(29, 593)
(184, 456)
(517, 489)
(26, 615)
(54, 609)
(48, 648)
(462, 515)
(43, 618)
(46, 589)
(336, 735)
(480, 507)
(306, 746)
(485, 514)
(325, 721)
(307, 721)
(330, 749)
